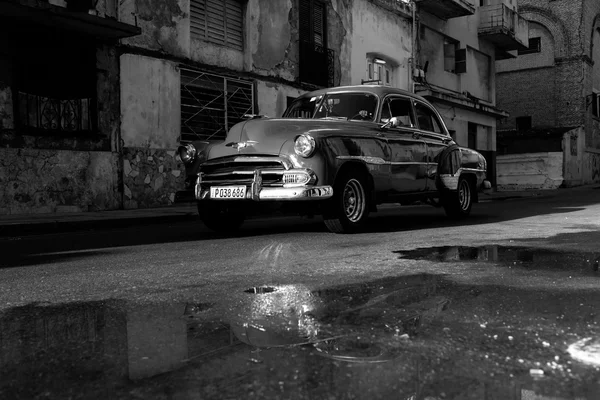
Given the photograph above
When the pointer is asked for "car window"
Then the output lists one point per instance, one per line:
(350, 106)
(304, 107)
(428, 120)
(400, 108)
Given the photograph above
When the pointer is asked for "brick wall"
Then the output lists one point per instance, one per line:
(527, 92)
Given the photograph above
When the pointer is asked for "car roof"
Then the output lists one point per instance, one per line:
(379, 90)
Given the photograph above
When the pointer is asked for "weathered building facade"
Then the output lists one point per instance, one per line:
(457, 44)
(551, 91)
(59, 105)
(200, 65)
(91, 121)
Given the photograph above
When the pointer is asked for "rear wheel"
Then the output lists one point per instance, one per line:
(458, 204)
(348, 210)
(221, 217)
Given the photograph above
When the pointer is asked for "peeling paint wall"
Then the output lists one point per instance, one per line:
(530, 171)
(165, 24)
(272, 98)
(43, 181)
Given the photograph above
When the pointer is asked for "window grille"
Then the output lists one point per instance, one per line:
(218, 21)
(212, 104)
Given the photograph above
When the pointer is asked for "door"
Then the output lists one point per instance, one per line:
(435, 137)
(408, 153)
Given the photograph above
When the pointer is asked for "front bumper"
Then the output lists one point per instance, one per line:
(257, 192)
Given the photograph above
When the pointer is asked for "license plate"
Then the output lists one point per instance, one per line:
(228, 192)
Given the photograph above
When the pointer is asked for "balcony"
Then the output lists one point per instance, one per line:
(503, 27)
(316, 64)
(446, 9)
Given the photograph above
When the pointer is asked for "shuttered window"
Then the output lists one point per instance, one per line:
(218, 21)
(312, 22)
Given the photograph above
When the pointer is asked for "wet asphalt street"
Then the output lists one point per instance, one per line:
(504, 305)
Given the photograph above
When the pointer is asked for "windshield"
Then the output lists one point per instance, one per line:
(356, 106)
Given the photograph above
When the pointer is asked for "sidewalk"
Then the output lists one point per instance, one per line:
(33, 224)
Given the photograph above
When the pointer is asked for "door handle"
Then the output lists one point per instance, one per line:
(416, 135)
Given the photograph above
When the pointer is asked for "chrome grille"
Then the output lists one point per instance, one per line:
(240, 170)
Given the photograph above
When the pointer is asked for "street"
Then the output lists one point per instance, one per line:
(502, 305)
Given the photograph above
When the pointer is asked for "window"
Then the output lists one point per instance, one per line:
(427, 118)
(523, 123)
(596, 104)
(313, 23)
(450, 48)
(400, 108)
(379, 71)
(212, 104)
(218, 21)
(535, 46)
(472, 135)
(55, 84)
(316, 60)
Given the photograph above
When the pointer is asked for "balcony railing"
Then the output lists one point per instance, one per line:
(316, 64)
(446, 9)
(504, 27)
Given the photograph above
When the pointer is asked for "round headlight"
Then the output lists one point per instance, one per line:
(304, 145)
(186, 153)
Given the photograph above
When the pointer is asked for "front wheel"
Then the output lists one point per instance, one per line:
(458, 204)
(222, 218)
(348, 210)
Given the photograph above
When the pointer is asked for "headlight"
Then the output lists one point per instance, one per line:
(304, 145)
(186, 153)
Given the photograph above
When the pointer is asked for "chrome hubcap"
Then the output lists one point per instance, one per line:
(464, 195)
(353, 200)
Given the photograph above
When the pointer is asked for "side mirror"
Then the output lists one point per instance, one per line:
(393, 122)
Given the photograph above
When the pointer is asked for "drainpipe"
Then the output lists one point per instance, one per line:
(413, 46)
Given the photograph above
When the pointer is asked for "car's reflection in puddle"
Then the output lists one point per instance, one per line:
(382, 339)
(546, 259)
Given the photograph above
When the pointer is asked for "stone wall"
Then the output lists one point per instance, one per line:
(44, 181)
(150, 177)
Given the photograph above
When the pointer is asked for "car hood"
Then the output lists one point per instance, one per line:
(268, 136)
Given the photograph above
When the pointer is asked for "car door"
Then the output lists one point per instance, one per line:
(408, 153)
(434, 135)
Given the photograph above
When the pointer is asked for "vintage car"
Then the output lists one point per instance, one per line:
(338, 153)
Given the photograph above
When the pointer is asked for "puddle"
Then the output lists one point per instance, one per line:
(381, 339)
(260, 290)
(514, 255)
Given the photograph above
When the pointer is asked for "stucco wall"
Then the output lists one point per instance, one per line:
(150, 102)
(375, 30)
(272, 98)
(530, 171)
(43, 181)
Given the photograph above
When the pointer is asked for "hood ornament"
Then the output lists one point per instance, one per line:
(240, 145)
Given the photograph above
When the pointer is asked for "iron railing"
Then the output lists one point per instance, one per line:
(212, 104)
(317, 64)
(51, 114)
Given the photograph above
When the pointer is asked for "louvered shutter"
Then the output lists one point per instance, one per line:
(215, 21)
(305, 19)
(235, 24)
(319, 23)
(198, 18)
(218, 21)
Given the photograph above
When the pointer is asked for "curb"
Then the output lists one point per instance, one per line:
(64, 226)
(59, 225)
